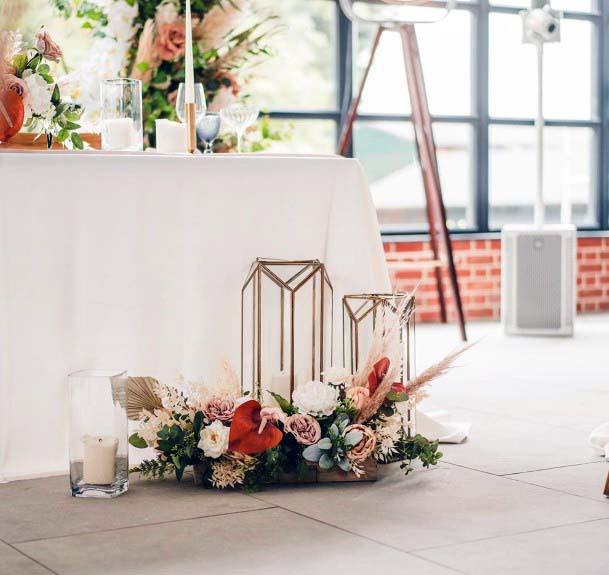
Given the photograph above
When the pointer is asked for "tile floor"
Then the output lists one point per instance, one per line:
(522, 496)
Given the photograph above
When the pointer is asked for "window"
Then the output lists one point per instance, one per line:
(481, 83)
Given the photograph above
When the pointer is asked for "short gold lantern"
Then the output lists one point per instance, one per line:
(360, 315)
(287, 316)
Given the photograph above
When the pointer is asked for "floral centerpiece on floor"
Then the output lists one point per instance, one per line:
(25, 71)
(234, 440)
(227, 39)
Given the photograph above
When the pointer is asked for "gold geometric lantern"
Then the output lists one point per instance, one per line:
(361, 313)
(287, 317)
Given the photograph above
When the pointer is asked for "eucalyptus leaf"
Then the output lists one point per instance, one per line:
(312, 453)
(325, 443)
(344, 464)
(326, 462)
(333, 431)
(353, 438)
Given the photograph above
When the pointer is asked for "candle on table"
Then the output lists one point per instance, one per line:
(189, 91)
(119, 133)
(99, 460)
(170, 137)
(280, 384)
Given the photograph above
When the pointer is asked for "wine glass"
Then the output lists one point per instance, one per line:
(239, 117)
(200, 103)
(207, 129)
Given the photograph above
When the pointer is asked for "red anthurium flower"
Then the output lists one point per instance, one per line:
(379, 371)
(12, 113)
(250, 433)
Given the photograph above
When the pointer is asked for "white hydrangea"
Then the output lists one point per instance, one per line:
(315, 398)
(40, 93)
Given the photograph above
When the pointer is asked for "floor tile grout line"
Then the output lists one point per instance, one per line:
(136, 526)
(24, 554)
(506, 535)
(359, 535)
(508, 476)
(587, 498)
(552, 468)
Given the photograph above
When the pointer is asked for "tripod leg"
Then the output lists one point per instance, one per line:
(347, 128)
(436, 211)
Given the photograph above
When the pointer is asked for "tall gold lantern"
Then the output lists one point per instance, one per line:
(287, 316)
(360, 315)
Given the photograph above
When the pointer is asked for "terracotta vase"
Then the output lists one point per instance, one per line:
(12, 114)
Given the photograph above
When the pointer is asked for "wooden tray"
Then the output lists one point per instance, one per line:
(35, 143)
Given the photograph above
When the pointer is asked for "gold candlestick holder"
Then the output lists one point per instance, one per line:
(190, 114)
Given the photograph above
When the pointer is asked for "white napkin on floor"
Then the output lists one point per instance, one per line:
(439, 425)
(599, 440)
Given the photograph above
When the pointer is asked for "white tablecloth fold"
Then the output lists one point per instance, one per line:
(438, 425)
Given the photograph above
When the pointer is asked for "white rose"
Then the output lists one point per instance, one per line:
(214, 439)
(40, 92)
(166, 13)
(315, 398)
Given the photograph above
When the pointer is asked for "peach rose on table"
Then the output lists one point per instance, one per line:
(304, 428)
(365, 448)
(358, 395)
(47, 47)
(170, 42)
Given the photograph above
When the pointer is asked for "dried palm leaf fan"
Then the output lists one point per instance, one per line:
(394, 13)
(141, 394)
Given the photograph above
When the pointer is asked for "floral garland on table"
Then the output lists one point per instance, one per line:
(26, 73)
(233, 440)
(150, 36)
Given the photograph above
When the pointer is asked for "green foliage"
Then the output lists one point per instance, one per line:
(283, 403)
(332, 449)
(137, 441)
(417, 447)
(153, 468)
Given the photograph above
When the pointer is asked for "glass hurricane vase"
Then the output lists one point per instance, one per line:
(99, 464)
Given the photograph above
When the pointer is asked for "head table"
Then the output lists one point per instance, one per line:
(136, 261)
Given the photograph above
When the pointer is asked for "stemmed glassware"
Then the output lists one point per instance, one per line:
(208, 128)
(239, 117)
(200, 103)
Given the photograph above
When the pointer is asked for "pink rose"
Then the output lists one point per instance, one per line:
(219, 408)
(46, 46)
(17, 85)
(358, 395)
(304, 428)
(365, 448)
(171, 41)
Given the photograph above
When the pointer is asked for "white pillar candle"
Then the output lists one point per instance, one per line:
(280, 384)
(119, 134)
(170, 137)
(99, 460)
(189, 94)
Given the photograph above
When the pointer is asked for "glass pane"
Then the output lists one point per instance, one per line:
(569, 166)
(301, 73)
(576, 5)
(447, 71)
(387, 151)
(303, 136)
(513, 71)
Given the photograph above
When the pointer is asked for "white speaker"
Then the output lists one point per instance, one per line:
(538, 279)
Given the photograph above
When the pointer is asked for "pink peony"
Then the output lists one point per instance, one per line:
(17, 85)
(219, 408)
(170, 42)
(304, 428)
(46, 46)
(358, 395)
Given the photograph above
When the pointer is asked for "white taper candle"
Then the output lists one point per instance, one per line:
(189, 95)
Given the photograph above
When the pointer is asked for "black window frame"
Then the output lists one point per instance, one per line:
(479, 120)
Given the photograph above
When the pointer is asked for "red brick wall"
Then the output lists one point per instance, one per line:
(479, 270)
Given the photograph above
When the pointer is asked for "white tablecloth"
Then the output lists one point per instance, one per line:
(137, 262)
